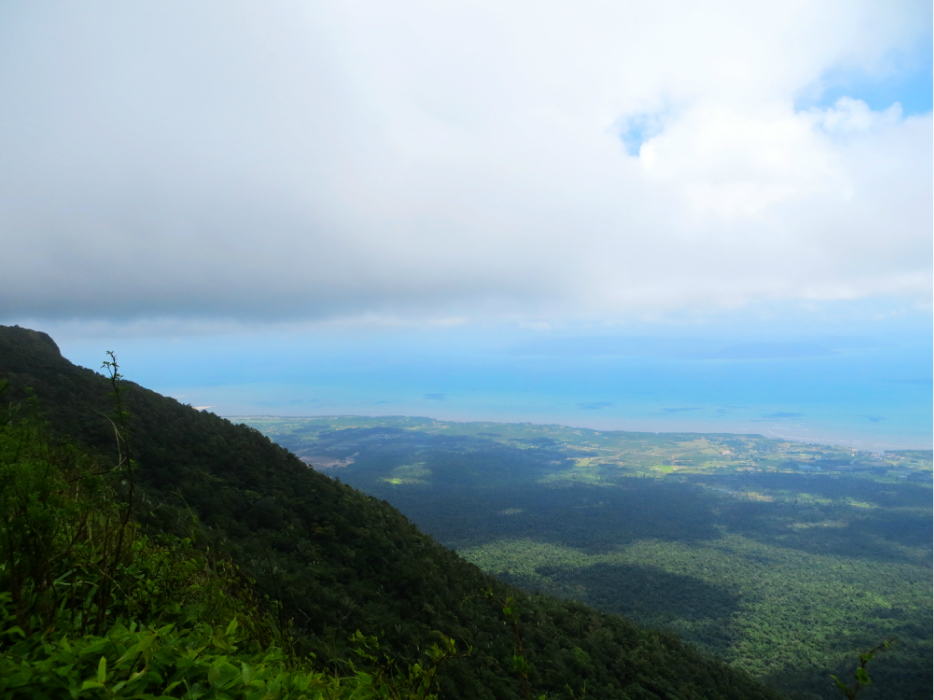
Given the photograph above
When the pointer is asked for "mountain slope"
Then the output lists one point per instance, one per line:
(339, 560)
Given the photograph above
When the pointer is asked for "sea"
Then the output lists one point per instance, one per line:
(869, 391)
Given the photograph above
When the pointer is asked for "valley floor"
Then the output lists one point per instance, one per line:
(784, 559)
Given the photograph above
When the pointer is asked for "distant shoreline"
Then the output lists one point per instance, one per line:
(860, 445)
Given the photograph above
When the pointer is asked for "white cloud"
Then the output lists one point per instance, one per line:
(448, 160)
(848, 117)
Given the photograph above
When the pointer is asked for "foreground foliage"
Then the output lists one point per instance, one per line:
(92, 608)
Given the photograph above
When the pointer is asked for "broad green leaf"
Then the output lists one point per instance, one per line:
(137, 648)
(364, 678)
(519, 664)
(862, 676)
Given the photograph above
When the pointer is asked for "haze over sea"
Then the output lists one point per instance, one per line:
(870, 390)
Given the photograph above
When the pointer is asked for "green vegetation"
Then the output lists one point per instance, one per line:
(234, 520)
(861, 676)
(784, 559)
(91, 607)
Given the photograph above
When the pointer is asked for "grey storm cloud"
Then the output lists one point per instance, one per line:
(287, 160)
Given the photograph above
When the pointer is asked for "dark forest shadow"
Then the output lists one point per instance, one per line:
(594, 520)
(647, 595)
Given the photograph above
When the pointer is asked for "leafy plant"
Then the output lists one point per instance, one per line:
(520, 664)
(418, 680)
(861, 675)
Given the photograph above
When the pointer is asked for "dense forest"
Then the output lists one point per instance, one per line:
(92, 607)
(784, 559)
(160, 526)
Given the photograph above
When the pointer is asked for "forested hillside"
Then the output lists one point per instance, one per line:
(341, 561)
(92, 607)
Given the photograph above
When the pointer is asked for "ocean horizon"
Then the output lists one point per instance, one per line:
(870, 392)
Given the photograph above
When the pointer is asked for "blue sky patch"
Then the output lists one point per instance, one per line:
(910, 82)
(639, 128)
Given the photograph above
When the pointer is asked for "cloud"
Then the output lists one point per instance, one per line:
(782, 414)
(771, 351)
(595, 405)
(680, 409)
(424, 161)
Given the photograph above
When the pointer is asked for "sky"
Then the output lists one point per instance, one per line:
(405, 195)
